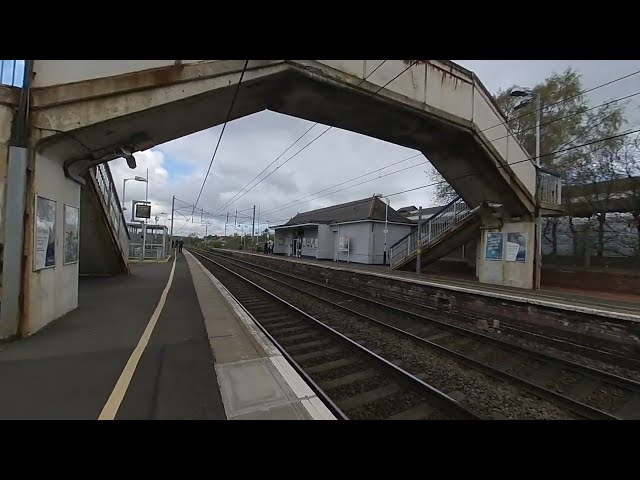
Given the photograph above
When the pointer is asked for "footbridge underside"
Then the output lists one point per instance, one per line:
(435, 107)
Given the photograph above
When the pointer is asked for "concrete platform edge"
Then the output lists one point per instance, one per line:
(503, 296)
(294, 399)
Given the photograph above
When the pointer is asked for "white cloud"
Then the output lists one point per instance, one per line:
(251, 143)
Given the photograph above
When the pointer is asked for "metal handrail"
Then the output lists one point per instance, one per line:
(107, 191)
(549, 187)
(434, 215)
(433, 229)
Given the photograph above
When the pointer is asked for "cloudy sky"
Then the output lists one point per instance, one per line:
(251, 143)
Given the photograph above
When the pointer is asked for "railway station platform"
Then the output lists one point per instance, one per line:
(614, 305)
(165, 342)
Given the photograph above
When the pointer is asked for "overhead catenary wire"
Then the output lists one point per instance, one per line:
(498, 166)
(285, 151)
(298, 201)
(233, 101)
(464, 175)
(342, 183)
(543, 107)
(477, 172)
(543, 124)
(440, 182)
(350, 186)
(320, 135)
(483, 130)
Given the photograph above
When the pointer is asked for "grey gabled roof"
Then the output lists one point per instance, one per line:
(372, 208)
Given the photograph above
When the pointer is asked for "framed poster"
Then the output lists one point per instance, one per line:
(44, 234)
(71, 234)
(516, 247)
(343, 243)
(495, 246)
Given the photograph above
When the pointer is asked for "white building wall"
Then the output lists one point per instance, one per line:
(282, 242)
(310, 234)
(360, 239)
(396, 232)
(325, 245)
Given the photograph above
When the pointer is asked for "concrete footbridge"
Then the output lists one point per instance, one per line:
(74, 116)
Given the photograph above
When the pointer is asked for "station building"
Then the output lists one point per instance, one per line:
(350, 232)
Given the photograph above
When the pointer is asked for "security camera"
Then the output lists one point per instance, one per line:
(127, 153)
(131, 161)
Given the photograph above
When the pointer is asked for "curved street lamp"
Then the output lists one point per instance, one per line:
(527, 95)
(137, 178)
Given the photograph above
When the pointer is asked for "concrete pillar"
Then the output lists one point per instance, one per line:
(506, 255)
(13, 171)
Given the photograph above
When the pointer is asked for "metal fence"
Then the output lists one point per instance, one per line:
(549, 188)
(620, 236)
(107, 189)
(11, 72)
(156, 241)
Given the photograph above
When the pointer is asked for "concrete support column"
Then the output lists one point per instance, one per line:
(13, 238)
(507, 255)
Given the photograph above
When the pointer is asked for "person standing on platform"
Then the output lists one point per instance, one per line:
(180, 243)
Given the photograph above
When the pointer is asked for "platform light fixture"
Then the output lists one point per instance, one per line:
(527, 96)
(127, 153)
(137, 178)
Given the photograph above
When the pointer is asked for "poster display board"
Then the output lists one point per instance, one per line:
(516, 247)
(71, 234)
(343, 243)
(44, 234)
(495, 246)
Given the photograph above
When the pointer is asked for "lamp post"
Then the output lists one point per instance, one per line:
(527, 96)
(386, 226)
(124, 186)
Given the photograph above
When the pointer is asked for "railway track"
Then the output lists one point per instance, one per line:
(588, 392)
(354, 381)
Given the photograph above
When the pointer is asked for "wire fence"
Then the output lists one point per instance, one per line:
(11, 72)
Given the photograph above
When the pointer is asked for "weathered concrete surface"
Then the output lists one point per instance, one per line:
(438, 108)
(52, 291)
(514, 317)
(502, 272)
(8, 101)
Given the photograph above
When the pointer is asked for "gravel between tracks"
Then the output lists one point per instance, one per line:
(525, 368)
(451, 318)
(483, 394)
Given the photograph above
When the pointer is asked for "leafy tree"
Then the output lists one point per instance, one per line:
(568, 121)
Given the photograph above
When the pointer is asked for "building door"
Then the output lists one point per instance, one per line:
(334, 244)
